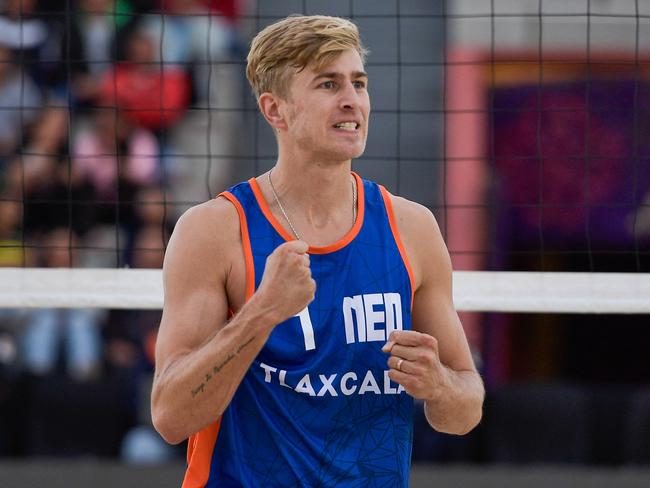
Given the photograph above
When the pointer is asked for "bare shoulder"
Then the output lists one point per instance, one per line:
(203, 241)
(198, 264)
(411, 215)
(216, 218)
(421, 236)
(214, 222)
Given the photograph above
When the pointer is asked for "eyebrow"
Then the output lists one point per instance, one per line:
(334, 74)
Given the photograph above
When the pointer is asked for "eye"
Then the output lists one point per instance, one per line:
(329, 84)
(359, 85)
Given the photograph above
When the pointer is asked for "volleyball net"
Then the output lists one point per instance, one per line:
(474, 291)
(523, 125)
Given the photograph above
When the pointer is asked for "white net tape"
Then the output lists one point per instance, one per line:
(80, 288)
(473, 290)
(505, 291)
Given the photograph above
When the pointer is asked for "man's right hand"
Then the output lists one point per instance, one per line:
(287, 286)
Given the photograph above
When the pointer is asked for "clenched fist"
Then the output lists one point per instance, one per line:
(415, 364)
(287, 286)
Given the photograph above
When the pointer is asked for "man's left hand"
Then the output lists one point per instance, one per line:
(415, 364)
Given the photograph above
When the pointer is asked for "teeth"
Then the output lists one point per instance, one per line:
(347, 125)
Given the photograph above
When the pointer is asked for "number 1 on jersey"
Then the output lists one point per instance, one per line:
(307, 329)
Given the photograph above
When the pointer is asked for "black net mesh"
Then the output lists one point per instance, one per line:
(522, 125)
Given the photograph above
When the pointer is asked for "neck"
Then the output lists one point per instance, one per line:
(313, 185)
(317, 197)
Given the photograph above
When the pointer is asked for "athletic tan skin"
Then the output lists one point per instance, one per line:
(202, 355)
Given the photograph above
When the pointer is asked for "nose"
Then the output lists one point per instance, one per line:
(350, 97)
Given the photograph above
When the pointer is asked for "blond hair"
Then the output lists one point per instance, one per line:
(295, 42)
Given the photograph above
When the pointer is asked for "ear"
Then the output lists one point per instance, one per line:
(270, 106)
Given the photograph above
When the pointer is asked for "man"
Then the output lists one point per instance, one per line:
(305, 309)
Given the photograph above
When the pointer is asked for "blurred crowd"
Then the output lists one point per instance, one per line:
(95, 96)
(111, 125)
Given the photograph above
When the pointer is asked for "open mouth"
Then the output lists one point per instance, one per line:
(347, 126)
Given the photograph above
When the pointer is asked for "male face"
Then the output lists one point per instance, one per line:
(326, 111)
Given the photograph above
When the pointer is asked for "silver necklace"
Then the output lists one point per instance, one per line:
(286, 217)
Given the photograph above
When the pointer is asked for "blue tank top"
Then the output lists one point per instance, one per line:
(316, 408)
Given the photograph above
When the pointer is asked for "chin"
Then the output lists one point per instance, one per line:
(359, 153)
(337, 153)
(344, 154)
(356, 154)
(343, 157)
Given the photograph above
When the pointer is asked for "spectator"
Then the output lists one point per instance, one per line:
(20, 30)
(20, 100)
(40, 42)
(78, 327)
(202, 36)
(229, 9)
(53, 194)
(97, 22)
(116, 158)
(191, 36)
(151, 208)
(150, 95)
(130, 337)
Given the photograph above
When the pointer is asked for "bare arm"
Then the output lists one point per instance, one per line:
(200, 357)
(436, 365)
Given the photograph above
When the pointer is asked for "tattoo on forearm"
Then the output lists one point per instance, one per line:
(218, 367)
(245, 344)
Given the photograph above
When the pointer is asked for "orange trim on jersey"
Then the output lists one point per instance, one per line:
(267, 211)
(393, 227)
(344, 241)
(246, 243)
(199, 456)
